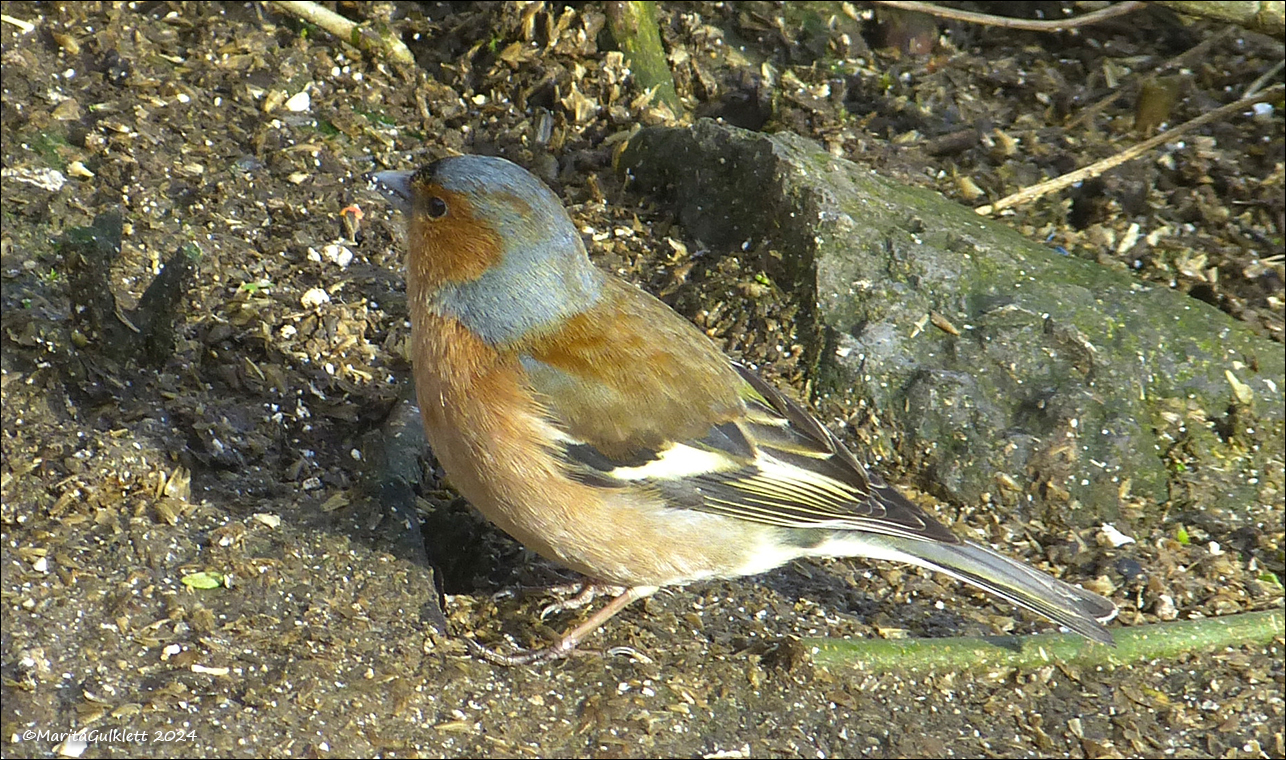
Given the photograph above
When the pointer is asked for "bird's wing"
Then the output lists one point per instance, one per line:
(646, 400)
(801, 476)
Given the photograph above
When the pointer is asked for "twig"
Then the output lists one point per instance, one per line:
(349, 31)
(1057, 25)
(1137, 644)
(1263, 79)
(25, 26)
(1028, 194)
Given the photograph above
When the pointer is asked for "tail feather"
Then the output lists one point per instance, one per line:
(1079, 610)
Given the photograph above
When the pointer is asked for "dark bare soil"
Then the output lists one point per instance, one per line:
(194, 539)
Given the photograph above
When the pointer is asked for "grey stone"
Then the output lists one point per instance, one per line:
(1051, 372)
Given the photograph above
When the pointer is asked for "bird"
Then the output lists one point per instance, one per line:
(607, 433)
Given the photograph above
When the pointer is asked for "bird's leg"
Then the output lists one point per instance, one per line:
(585, 594)
(564, 646)
(558, 587)
(581, 593)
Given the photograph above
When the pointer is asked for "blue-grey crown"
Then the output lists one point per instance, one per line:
(544, 276)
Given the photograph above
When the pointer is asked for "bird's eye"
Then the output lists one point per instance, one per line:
(437, 207)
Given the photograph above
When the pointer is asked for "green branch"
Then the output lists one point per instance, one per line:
(634, 28)
(1147, 642)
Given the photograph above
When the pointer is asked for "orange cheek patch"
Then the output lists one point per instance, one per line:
(453, 248)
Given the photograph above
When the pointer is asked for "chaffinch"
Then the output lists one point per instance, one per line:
(595, 425)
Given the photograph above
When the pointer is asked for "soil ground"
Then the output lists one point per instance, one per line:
(245, 454)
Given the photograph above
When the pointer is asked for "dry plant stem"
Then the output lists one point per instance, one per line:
(570, 640)
(347, 30)
(1059, 25)
(1029, 194)
(1137, 644)
(1256, 85)
(26, 26)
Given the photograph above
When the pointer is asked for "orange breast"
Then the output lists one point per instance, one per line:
(488, 432)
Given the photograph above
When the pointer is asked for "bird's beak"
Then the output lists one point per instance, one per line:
(395, 186)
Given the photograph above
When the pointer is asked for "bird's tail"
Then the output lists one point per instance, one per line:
(1082, 611)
